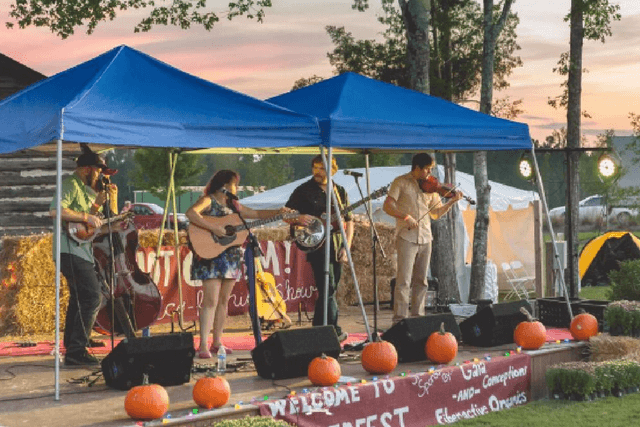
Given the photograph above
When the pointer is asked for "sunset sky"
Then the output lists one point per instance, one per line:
(265, 59)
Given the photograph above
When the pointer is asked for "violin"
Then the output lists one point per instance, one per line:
(432, 185)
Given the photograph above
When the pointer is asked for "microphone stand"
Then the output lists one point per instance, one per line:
(106, 208)
(375, 240)
(252, 243)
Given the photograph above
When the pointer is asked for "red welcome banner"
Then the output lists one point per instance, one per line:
(416, 400)
(290, 269)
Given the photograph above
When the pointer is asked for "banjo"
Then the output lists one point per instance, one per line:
(311, 237)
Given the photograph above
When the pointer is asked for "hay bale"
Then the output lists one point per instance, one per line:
(29, 302)
(604, 347)
(363, 262)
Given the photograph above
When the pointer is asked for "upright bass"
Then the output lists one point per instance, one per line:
(136, 298)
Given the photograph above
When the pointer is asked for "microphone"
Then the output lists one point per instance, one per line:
(353, 173)
(229, 194)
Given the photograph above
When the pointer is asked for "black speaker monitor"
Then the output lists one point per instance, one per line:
(167, 359)
(409, 336)
(287, 353)
(493, 325)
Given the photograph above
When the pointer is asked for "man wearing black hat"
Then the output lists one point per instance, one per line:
(79, 202)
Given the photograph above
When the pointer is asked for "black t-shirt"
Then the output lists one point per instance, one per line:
(310, 199)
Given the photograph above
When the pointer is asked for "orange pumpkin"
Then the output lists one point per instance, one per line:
(147, 401)
(379, 357)
(584, 326)
(211, 392)
(442, 346)
(324, 371)
(530, 334)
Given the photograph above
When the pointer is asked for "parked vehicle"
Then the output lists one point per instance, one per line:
(592, 211)
(149, 216)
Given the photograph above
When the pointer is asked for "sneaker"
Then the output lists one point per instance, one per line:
(342, 336)
(95, 343)
(214, 349)
(80, 359)
(204, 354)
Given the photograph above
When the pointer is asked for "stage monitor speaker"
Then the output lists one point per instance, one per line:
(493, 325)
(287, 353)
(167, 359)
(410, 335)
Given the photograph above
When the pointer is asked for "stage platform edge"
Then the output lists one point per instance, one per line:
(540, 361)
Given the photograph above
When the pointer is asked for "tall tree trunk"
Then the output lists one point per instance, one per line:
(574, 87)
(417, 16)
(483, 190)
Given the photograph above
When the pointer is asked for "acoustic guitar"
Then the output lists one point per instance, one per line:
(271, 307)
(209, 245)
(83, 233)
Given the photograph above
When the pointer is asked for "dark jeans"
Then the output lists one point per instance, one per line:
(84, 301)
(335, 270)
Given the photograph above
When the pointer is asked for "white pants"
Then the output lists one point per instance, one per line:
(411, 278)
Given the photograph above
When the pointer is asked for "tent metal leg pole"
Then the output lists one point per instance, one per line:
(556, 257)
(176, 240)
(327, 233)
(57, 231)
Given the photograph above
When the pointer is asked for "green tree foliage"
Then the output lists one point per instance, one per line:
(597, 18)
(152, 172)
(64, 17)
(386, 60)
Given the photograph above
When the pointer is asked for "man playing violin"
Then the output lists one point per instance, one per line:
(79, 202)
(310, 200)
(414, 209)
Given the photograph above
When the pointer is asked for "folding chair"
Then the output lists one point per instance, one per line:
(519, 280)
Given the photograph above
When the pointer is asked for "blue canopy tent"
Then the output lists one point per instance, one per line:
(362, 114)
(126, 98)
(356, 112)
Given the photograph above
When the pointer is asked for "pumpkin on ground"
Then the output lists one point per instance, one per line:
(147, 401)
(324, 371)
(442, 346)
(584, 326)
(379, 357)
(530, 334)
(211, 392)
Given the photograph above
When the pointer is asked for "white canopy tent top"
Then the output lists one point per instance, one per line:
(502, 196)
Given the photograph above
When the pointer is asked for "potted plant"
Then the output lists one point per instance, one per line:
(615, 318)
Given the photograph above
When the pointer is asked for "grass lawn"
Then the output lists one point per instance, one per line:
(595, 292)
(608, 412)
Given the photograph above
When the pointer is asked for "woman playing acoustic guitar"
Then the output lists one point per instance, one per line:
(219, 274)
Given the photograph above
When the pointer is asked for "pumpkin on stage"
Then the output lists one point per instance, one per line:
(442, 346)
(584, 326)
(147, 401)
(379, 357)
(530, 334)
(211, 392)
(324, 371)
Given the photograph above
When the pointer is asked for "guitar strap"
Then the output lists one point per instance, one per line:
(336, 237)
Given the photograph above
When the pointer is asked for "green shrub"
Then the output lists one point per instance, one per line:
(604, 378)
(625, 283)
(623, 313)
(615, 315)
(571, 379)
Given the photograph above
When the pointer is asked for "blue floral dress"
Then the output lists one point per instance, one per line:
(227, 265)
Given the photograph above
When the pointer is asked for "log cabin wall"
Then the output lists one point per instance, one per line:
(27, 178)
(27, 186)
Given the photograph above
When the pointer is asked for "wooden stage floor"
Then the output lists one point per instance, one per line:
(27, 399)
